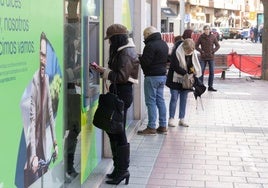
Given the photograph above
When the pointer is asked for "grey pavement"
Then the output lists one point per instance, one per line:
(226, 144)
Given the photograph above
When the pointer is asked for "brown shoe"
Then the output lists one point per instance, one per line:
(161, 130)
(147, 131)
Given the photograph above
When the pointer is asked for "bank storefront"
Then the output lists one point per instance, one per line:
(47, 128)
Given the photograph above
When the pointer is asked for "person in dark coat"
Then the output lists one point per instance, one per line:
(178, 91)
(207, 44)
(122, 71)
(153, 63)
(184, 61)
(256, 34)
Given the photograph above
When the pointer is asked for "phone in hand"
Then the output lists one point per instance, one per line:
(94, 65)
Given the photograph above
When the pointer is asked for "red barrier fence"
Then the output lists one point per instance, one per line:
(168, 37)
(250, 64)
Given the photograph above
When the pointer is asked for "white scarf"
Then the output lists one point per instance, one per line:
(180, 54)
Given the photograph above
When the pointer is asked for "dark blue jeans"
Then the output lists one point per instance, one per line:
(211, 65)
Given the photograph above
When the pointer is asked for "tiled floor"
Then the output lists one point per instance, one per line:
(226, 144)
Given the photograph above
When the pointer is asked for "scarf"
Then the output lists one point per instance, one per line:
(182, 63)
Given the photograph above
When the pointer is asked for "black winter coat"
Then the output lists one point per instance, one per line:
(155, 56)
(174, 66)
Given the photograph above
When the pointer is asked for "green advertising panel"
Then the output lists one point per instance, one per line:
(31, 80)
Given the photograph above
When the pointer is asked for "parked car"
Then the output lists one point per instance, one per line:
(239, 34)
(242, 34)
(225, 32)
(217, 32)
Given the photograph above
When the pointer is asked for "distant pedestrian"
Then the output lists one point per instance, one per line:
(153, 63)
(256, 34)
(207, 44)
(261, 33)
(252, 34)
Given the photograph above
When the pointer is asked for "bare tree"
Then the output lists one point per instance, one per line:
(265, 42)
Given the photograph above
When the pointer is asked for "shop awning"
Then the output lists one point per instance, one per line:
(168, 12)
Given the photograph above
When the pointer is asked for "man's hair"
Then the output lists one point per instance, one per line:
(206, 27)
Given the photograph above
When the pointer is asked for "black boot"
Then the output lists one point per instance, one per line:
(115, 159)
(123, 164)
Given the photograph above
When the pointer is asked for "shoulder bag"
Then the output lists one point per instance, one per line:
(109, 115)
(188, 81)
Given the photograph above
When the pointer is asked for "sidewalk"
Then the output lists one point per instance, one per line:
(226, 144)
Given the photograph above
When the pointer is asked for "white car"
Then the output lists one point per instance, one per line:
(243, 34)
(246, 34)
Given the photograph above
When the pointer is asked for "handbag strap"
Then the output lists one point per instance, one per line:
(114, 86)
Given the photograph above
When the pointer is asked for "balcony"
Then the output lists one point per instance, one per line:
(192, 2)
(204, 3)
(173, 1)
(219, 4)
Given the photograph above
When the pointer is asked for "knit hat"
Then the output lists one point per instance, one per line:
(115, 29)
(187, 34)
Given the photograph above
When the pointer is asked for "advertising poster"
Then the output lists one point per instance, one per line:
(31, 80)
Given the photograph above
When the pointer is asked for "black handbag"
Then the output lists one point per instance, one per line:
(109, 115)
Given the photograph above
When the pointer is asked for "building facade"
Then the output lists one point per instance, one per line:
(231, 13)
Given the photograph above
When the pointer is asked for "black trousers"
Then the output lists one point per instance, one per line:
(124, 92)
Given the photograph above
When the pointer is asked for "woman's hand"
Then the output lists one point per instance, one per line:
(100, 69)
(97, 68)
(35, 164)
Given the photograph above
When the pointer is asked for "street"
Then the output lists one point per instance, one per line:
(239, 46)
(243, 47)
